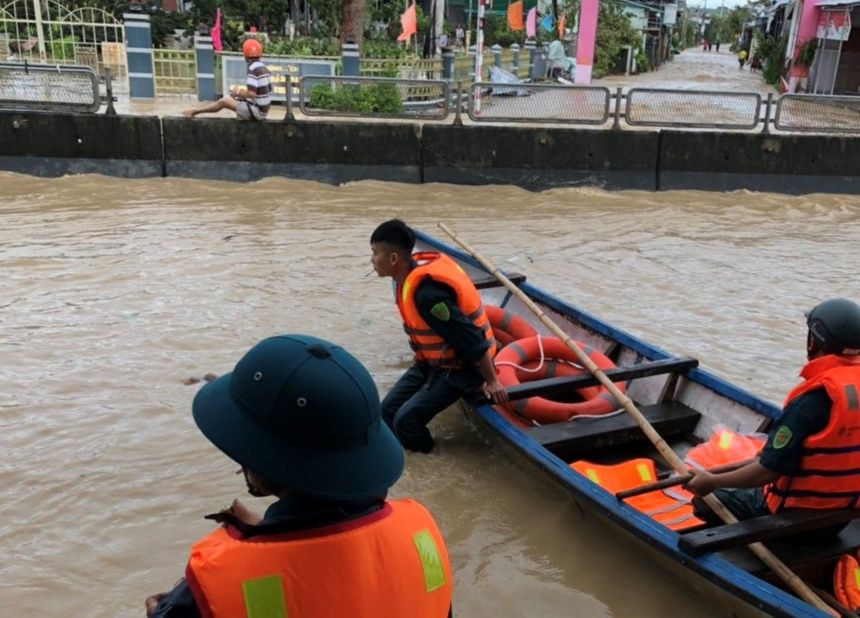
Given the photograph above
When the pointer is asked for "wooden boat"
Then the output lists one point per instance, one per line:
(685, 404)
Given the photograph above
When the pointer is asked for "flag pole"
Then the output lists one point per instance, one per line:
(479, 54)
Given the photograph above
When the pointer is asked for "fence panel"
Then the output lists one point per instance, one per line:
(707, 109)
(540, 103)
(817, 113)
(43, 87)
(87, 36)
(175, 71)
(376, 97)
(402, 68)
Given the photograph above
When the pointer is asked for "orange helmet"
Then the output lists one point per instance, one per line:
(252, 48)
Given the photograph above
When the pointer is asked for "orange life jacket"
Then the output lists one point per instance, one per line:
(429, 347)
(830, 477)
(846, 582)
(724, 447)
(389, 564)
(671, 507)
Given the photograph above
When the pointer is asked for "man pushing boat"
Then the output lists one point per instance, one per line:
(812, 456)
(447, 327)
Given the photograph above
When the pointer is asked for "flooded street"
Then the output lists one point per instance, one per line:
(114, 291)
(694, 69)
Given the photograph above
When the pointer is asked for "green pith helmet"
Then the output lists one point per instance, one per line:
(834, 325)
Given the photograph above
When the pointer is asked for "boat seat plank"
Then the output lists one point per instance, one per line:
(569, 440)
(490, 281)
(549, 387)
(802, 554)
(778, 525)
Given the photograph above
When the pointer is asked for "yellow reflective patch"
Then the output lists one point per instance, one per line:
(726, 440)
(644, 472)
(405, 291)
(857, 578)
(264, 597)
(591, 473)
(431, 560)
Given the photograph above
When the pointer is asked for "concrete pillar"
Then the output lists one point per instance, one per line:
(474, 54)
(350, 59)
(448, 64)
(497, 55)
(586, 40)
(138, 50)
(531, 47)
(205, 56)
(515, 49)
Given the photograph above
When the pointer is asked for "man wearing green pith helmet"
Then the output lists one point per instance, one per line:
(301, 416)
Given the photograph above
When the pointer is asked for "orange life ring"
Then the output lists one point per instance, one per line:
(508, 327)
(540, 409)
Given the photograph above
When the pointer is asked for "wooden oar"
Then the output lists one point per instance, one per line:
(678, 479)
(763, 553)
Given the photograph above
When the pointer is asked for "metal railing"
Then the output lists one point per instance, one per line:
(375, 97)
(817, 113)
(539, 103)
(701, 109)
(43, 87)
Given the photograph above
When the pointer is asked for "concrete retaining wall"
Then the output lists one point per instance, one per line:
(58, 144)
(777, 163)
(327, 152)
(540, 158)
(340, 151)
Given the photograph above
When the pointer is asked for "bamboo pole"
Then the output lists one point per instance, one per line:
(679, 479)
(763, 553)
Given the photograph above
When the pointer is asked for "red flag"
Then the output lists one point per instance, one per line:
(515, 16)
(561, 24)
(409, 23)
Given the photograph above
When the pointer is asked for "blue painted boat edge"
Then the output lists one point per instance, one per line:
(700, 376)
(719, 570)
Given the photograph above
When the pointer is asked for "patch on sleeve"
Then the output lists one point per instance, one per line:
(782, 437)
(441, 311)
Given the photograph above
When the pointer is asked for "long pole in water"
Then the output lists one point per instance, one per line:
(763, 553)
(479, 54)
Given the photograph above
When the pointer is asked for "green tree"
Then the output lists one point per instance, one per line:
(614, 31)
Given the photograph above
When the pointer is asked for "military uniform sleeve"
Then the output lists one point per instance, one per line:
(803, 417)
(437, 305)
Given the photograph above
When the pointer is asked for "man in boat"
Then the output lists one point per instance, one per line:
(811, 459)
(301, 416)
(448, 329)
(254, 100)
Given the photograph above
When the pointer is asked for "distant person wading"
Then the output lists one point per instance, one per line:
(254, 100)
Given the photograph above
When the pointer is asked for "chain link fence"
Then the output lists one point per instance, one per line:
(374, 97)
(706, 109)
(542, 103)
(41, 87)
(816, 113)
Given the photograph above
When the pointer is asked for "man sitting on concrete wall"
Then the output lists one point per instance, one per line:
(254, 100)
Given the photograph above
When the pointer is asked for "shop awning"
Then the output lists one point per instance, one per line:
(839, 3)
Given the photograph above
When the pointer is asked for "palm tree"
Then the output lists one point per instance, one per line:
(352, 21)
